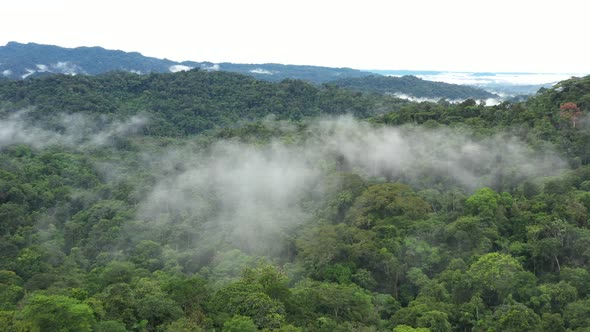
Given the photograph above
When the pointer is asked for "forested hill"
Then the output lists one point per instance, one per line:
(186, 102)
(24, 60)
(118, 213)
(413, 86)
(19, 61)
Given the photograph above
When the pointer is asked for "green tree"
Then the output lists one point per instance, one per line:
(500, 275)
(11, 289)
(577, 314)
(57, 313)
(247, 299)
(514, 318)
(384, 201)
(435, 321)
(239, 324)
(406, 328)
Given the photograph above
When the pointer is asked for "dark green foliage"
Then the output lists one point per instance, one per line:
(81, 250)
(57, 313)
(238, 324)
(185, 103)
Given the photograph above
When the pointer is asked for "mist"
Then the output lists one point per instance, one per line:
(250, 196)
(488, 101)
(70, 130)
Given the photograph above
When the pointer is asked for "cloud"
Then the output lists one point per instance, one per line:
(29, 73)
(42, 68)
(214, 67)
(493, 101)
(7, 72)
(66, 67)
(177, 68)
(72, 130)
(486, 79)
(261, 71)
(249, 196)
(488, 102)
(422, 99)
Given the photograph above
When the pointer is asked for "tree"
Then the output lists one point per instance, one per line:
(577, 314)
(514, 318)
(435, 321)
(484, 203)
(190, 293)
(272, 281)
(119, 303)
(11, 290)
(500, 275)
(406, 328)
(335, 301)
(552, 323)
(382, 201)
(245, 299)
(109, 326)
(147, 254)
(239, 324)
(57, 313)
(153, 305)
(571, 112)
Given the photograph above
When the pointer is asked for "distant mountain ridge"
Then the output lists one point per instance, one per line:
(20, 61)
(23, 60)
(413, 86)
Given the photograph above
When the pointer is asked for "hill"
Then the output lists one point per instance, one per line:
(414, 87)
(19, 61)
(186, 102)
(119, 212)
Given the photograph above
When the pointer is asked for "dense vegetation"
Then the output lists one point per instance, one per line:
(213, 217)
(188, 102)
(413, 86)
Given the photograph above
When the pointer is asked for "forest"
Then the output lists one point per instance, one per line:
(211, 201)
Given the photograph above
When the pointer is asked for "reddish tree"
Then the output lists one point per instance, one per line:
(570, 111)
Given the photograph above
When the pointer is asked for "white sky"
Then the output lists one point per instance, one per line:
(459, 35)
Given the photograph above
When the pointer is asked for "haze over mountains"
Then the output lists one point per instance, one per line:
(24, 60)
(20, 61)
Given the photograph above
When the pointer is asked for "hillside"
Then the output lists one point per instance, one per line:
(173, 202)
(186, 102)
(414, 87)
(18, 61)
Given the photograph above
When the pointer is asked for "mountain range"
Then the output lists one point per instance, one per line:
(21, 61)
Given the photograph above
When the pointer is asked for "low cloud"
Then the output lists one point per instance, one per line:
(249, 196)
(488, 102)
(29, 73)
(261, 71)
(177, 68)
(214, 67)
(73, 130)
(42, 68)
(66, 67)
(485, 79)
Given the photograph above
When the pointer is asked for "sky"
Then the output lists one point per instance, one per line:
(451, 35)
